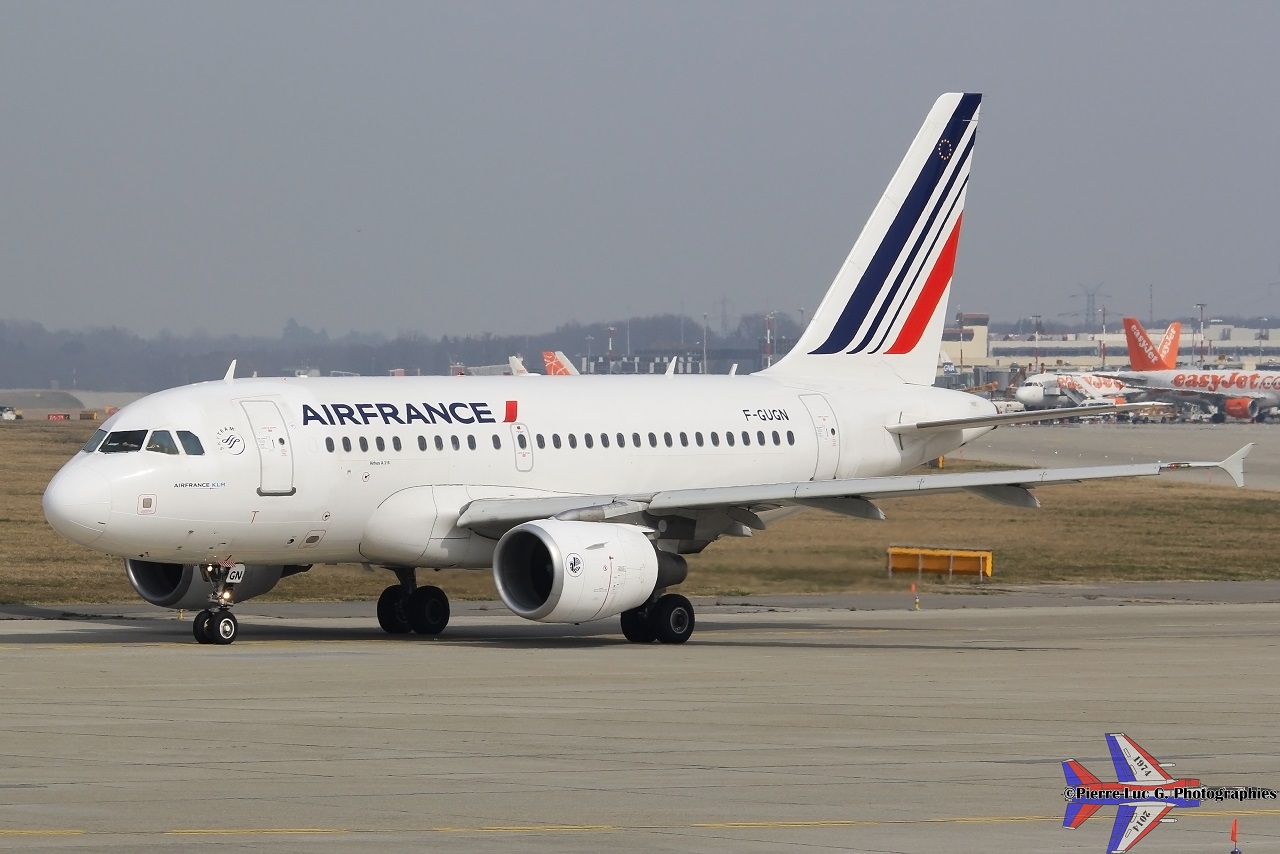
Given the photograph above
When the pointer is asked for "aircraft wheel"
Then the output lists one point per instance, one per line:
(392, 612)
(200, 626)
(1218, 417)
(428, 610)
(636, 628)
(223, 628)
(671, 619)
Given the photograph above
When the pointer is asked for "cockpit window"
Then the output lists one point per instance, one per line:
(94, 441)
(190, 443)
(161, 441)
(123, 442)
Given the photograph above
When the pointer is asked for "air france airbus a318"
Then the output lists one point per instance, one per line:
(582, 496)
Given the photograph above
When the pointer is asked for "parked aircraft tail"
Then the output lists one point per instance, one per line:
(557, 364)
(885, 311)
(1144, 355)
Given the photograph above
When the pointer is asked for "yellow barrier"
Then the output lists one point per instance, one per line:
(952, 562)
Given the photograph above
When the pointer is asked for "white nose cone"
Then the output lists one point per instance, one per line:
(1028, 395)
(77, 503)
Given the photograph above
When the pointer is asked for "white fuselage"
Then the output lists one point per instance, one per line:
(1048, 391)
(293, 471)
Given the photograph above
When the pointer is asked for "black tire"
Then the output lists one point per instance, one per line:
(636, 628)
(1218, 417)
(393, 615)
(223, 628)
(428, 610)
(671, 619)
(200, 627)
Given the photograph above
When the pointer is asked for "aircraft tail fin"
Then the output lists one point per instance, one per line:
(884, 313)
(557, 364)
(1078, 814)
(1077, 774)
(1169, 344)
(1144, 355)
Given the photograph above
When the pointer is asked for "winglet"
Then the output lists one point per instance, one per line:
(1234, 464)
(671, 367)
(231, 372)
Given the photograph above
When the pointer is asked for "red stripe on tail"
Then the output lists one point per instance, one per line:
(934, 287)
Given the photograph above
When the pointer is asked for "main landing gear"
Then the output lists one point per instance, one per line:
(405, 607)
(217, 624)
(667, 620)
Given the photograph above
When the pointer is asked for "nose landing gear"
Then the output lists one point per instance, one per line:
(217, 625)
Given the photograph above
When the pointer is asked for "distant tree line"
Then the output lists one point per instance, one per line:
(115, 359)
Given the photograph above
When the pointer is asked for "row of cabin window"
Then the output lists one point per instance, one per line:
(587, 440)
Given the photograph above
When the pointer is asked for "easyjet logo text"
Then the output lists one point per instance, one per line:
(1223, 380)
(1139, 337)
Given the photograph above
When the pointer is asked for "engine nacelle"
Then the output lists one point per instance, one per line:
(180, 586)
(574, 572)
(1241, 407)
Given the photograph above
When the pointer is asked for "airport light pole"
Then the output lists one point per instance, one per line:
(704, 342)
(1262, 333)
(1200, 348)
(1039, 367)
(590, 338)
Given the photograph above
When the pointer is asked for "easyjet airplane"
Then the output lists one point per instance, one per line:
(1076, 388)
(582, 496)
(1248, 395)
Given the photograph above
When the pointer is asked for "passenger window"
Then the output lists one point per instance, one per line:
(439, 443)
(653, 441)
(497, 443)
(697, 438)
(395, 442)
(776, 439)
(328, 444)
(555, 441)
(541, 442)
(162, 442)
(759, 437)
(587, 440)
(124, 442)
(382, 446)
(191, 443)
(604, 440)
(728, 438)
(573, 441)
(453, 440)
(746, 438)
(346, 444)
(715, 439)
(622, 441)
(364, 444)
(422, 443)
(471, 442)
(94, 441)
(635, 440)
(666, 438)
(522, 441)
(791, 438)
(684, 439)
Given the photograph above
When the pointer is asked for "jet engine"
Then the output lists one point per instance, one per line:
(1241, 407)
(573, 572)
(180, 585)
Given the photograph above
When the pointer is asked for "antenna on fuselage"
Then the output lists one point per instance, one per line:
(231, 372)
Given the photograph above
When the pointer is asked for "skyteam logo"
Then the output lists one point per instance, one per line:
(903, 283)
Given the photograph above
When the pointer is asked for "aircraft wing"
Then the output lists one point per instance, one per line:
(1132, 763)
(1013, 418)
(851, 496)
(1133, 823)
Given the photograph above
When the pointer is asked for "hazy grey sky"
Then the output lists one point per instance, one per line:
(454, 168)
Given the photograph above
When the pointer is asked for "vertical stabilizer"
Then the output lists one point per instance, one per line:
(884, 313)
(1144, 355)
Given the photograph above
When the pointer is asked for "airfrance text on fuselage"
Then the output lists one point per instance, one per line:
(357, 414)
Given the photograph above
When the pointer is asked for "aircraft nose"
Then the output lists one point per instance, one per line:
(1026, 396)
(77, 503)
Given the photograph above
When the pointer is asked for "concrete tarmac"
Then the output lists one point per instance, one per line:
(776, 728)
